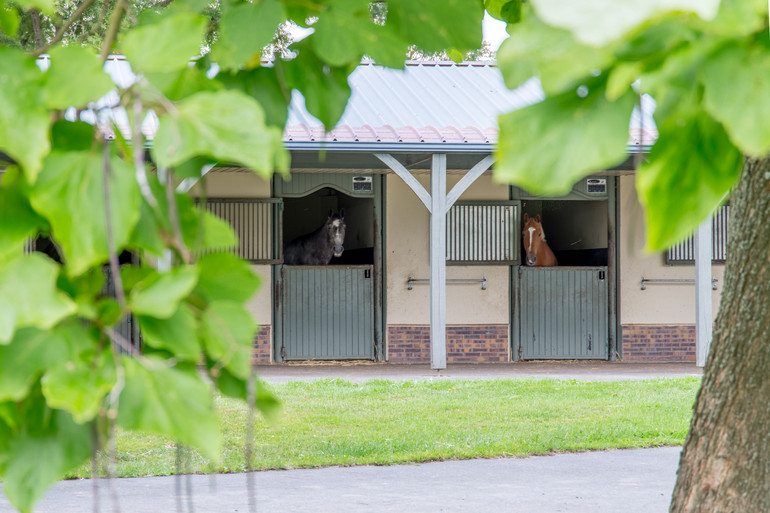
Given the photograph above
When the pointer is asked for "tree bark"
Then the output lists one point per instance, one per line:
(725, 464)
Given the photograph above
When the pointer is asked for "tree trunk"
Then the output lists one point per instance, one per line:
(725, 464)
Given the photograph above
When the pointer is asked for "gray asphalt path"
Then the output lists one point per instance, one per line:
(627, 481)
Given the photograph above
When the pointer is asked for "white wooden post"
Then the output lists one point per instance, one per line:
(438, 203)
(438, 262)
(703, 320)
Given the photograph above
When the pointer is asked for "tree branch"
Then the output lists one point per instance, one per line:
(111, 249)
(42, 46)
(112, 32)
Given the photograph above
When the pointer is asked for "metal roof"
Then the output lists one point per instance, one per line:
(427, 106)
(436, 104)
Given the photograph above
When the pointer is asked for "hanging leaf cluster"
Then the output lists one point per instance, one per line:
(123, 239)
(705, 63)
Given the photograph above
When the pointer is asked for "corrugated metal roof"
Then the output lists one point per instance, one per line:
(432, 103)
(435, 104)
(427, 102)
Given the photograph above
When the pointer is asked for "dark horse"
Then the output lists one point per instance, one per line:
(318, 247)
(533, 239)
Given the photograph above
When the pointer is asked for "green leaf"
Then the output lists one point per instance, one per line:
(597, 22)
(228, 335)
(436, 26)
(263, 85)
(736, 84)
(18, 221)
(68, 135)
(216, 233)
(44, 6)
(29, 296)
(508, 11)
(9, 20)
(70, 194)
(40, 456)
(24, 121)
(535, 48)
(738, 18)
(171, 402)
(159, 294)
(31, 352)
(79, 386)
(61, 90)
(226, 125)
(545, 148)
(244, 30)
(679, 189)
(224, 276)
(325, 88)
(179, 84)
(620, 79)
(166, 45)
(177, 334)
(341, 31)
(266, 401)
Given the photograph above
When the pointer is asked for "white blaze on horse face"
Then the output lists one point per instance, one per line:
(531, 232)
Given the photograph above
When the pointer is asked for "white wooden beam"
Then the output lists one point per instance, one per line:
(438, 262)
(407, 177)
(466, 181)
(703, 320)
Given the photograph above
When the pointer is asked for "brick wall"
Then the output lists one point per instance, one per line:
(465, 344)
(262, 344)
(644, 342)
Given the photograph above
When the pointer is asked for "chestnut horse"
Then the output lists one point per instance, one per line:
(533, 241)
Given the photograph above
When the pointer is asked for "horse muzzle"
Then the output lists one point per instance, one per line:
(338, 251)
(531, 260)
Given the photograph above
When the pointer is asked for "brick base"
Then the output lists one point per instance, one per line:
(465, 344)
(645, 342)
(262, 343)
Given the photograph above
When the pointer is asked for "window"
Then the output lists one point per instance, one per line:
(483, 232)
(684, 252)
(255, 222)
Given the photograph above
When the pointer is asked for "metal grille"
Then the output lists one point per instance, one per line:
(684, 252)
(254, 222)
(483, 232)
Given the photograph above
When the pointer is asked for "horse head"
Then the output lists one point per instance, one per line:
(533, 238)
(335, 226)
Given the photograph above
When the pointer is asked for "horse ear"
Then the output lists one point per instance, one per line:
(526, 218)
(342, 213)
(537, 218)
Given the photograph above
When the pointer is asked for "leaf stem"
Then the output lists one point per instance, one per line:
(111, 249)
(173, 216)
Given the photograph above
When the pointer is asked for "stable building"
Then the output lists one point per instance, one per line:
(433, 241)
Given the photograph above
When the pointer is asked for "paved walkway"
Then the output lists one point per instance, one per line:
(631, 481)
(583, 370)
(627, 481)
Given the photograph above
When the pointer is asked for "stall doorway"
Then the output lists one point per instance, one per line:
(328, 312)
(562, 312)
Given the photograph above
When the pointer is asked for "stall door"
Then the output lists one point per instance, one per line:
(326, 312)
(562, 313)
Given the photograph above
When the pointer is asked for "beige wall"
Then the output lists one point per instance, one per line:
(408, 253)
(241, 184)
(660, 303)
(245, 185)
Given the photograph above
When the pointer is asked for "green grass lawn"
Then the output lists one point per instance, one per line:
(335, 422)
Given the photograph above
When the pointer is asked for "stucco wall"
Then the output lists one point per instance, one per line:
(660, 303)
(408, 253)
(245, 185)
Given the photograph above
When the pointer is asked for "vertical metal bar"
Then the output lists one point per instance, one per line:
(438, 262)
(703, 321)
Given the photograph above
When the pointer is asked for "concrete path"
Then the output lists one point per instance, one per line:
(583, 370)
(627, 481)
